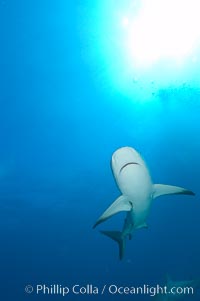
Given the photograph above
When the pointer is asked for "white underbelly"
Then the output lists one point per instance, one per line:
(141, 212)
(135, 182)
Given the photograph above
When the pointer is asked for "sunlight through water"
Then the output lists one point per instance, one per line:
(142, 46)
(164, 30)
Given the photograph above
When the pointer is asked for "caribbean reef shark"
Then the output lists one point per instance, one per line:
(138, 192)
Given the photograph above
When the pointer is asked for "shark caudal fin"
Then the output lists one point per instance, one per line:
(160, 189)
(117, 236)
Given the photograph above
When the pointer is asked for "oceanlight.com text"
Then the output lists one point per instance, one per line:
(111, 289)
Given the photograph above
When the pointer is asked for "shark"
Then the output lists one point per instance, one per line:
(137, 194)
(178, 290)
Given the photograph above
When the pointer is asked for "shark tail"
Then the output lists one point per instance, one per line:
(119, 238)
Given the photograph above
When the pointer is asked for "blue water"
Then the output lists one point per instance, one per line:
(61, 118)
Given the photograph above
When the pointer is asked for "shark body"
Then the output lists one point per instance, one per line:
(138, 191)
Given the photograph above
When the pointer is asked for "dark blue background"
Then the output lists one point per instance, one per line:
(59, 124)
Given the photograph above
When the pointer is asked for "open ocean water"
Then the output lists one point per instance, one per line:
(66, 104)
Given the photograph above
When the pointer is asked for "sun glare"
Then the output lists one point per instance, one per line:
(125, 22)
(163, 29)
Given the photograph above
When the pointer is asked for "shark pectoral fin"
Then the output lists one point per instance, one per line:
(160, 189)
(122, 203)
(117, 236)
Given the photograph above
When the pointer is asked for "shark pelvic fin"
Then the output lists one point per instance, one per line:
(122, 203)
(160, 189)
(144, 225)
(119, 238)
